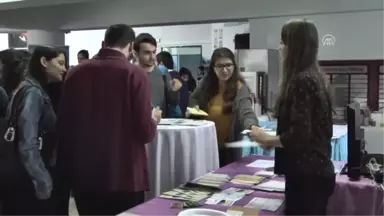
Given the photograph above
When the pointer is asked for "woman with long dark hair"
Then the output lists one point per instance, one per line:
(35, 127)
(54, 88)
(12, 72)
(224, 95)
(186, 77)
(304, 118)
(13, 68)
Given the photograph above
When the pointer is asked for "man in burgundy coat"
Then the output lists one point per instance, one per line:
(105, 120)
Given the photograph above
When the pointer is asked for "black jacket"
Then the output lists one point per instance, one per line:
(3, 102)
(35, 119)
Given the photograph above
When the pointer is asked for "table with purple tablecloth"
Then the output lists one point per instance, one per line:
(350, 198)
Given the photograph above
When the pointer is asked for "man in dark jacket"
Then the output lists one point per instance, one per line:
(105, 120)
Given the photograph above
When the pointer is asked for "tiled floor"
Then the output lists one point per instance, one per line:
(72, 208)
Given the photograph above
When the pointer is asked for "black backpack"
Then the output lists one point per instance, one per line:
(11, 168)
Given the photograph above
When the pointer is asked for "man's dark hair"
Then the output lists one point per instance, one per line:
(119, 35)
(165, 58)
(84, 53)
(143, 38)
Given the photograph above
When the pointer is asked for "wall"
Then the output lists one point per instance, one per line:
(230, 31)
(358, 36)
(46, 38)
(3, 41)
(179, 35)
(186, 35)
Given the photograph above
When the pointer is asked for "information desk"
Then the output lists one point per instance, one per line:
(350, 198)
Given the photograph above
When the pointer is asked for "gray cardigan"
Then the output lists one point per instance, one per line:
(243, 116)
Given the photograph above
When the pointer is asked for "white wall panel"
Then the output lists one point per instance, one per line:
(358, 35)
(169, 36)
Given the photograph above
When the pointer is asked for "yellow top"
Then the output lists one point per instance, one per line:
(222, 121)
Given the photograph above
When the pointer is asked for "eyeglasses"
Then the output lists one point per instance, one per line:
(226, 66)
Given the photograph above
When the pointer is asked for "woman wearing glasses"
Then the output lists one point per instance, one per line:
(224, 95)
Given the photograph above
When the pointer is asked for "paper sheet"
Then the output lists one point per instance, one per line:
(263, 164)
(265, 173)
(272, 185)
(241, 144)
(265, 204)
(227, 197)
(234, 213)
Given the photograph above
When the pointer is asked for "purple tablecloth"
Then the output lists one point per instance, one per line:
(349, 198)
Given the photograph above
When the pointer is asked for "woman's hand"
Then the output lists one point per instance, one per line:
(156, 114)
(261, 137)
(188, 114)
(43, 189)
(176, 85)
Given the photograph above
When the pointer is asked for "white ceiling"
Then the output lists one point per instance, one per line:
(36, 3)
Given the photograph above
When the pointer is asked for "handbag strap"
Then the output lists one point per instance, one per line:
(12, 119)
(16, 99)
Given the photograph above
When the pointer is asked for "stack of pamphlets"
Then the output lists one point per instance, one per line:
(247, 179)
(185, 194)
(215, 180)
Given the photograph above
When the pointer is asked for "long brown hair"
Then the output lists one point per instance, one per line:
(211, 82)
(301, 40)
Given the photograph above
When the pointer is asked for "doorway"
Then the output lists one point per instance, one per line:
(186, 56)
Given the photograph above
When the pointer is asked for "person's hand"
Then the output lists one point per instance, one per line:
(176, 85)
(261, 137)
(157, 114)
(43, 190)
(188, 114)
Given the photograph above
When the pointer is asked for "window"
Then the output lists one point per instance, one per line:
(349, 83)
(381, 88)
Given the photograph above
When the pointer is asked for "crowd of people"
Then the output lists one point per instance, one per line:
(88, 139)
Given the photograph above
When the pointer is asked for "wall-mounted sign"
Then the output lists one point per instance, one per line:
(328, 40)
(217, 38)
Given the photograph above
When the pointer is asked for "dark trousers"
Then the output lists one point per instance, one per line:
(21, 200)
(61, 195)
(308, 196)
(113, 203)
(228, 155)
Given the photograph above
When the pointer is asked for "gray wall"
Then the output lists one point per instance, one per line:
(40, 37)
(358, 36)
(99, 14)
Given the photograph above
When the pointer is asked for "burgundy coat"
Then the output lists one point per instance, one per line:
(105, 121)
